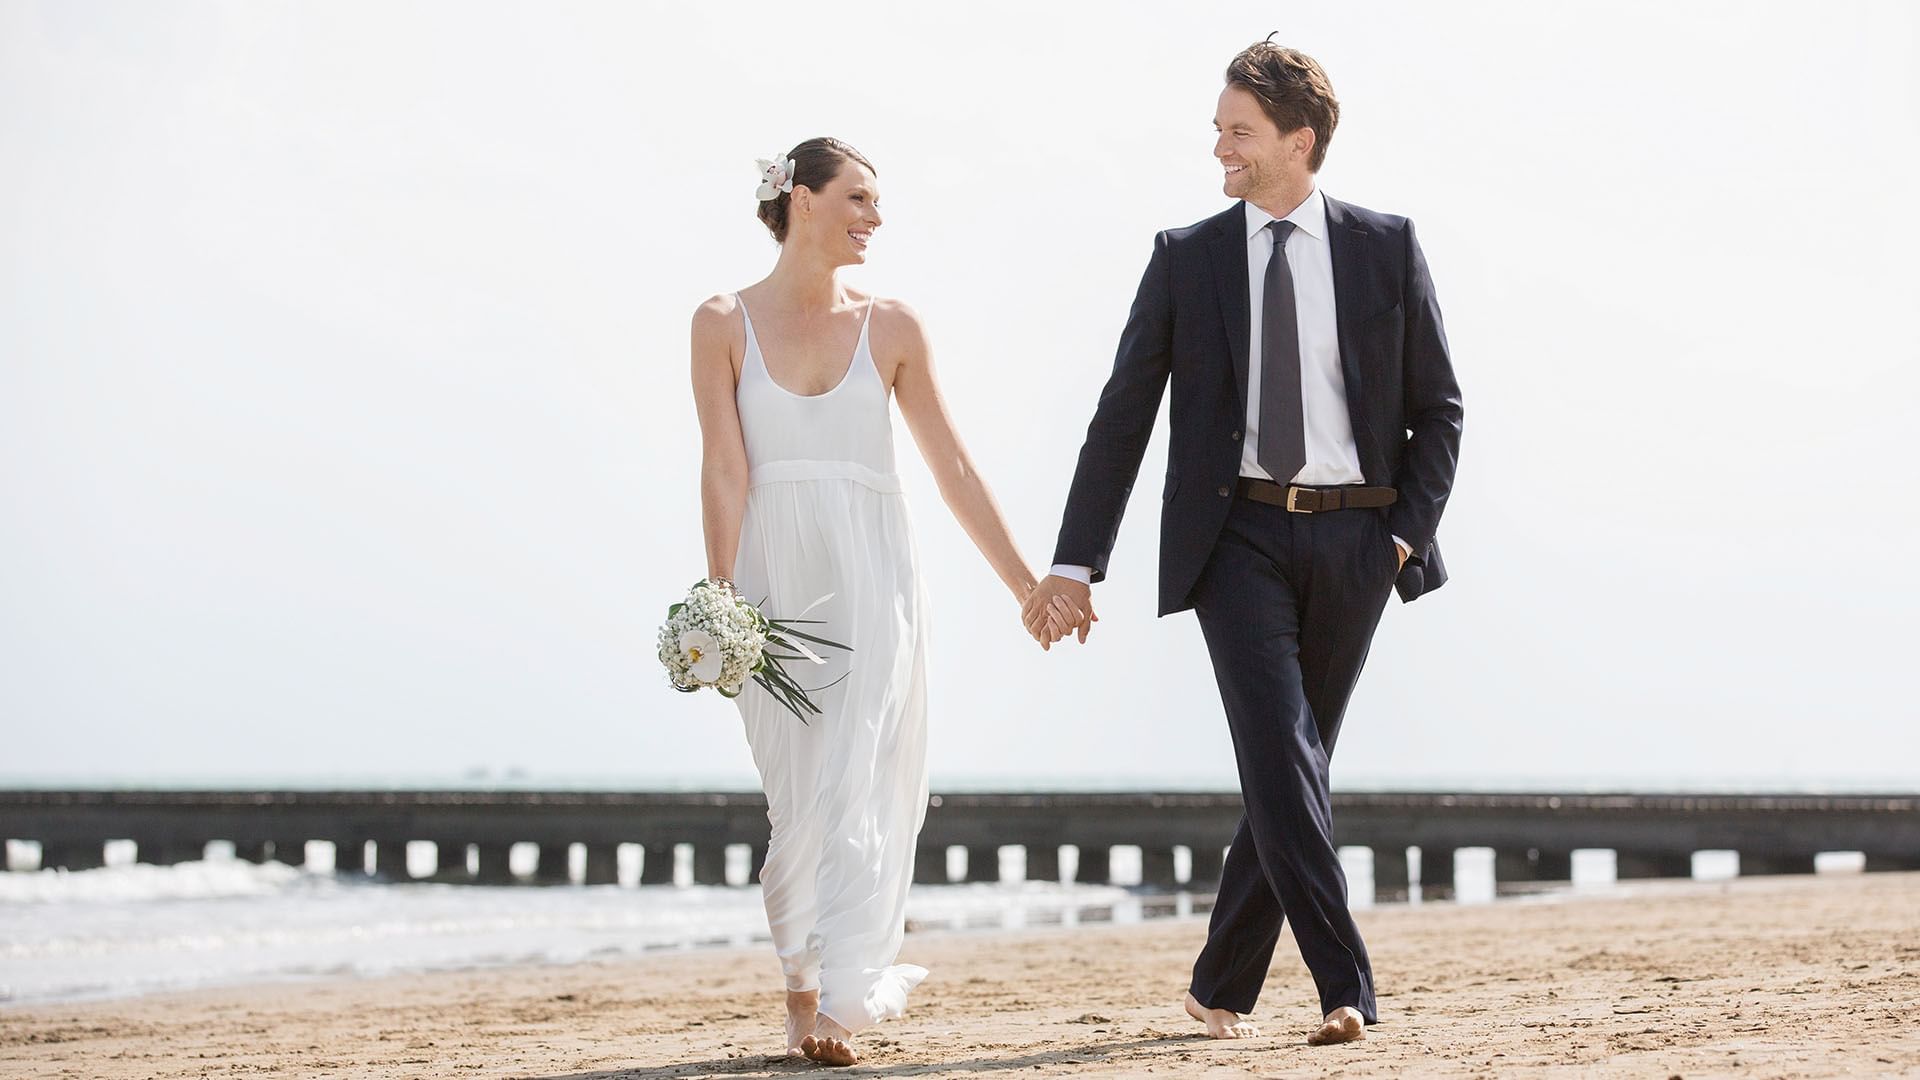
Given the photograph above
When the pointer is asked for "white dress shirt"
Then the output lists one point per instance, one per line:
(1332, 455)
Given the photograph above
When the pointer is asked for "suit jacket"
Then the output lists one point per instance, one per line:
(1190, 325)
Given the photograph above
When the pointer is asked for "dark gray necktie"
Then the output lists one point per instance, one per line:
(1283, 439)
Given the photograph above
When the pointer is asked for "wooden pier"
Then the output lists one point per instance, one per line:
(1533, 836)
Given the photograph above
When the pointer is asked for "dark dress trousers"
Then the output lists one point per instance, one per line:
(1287, 602)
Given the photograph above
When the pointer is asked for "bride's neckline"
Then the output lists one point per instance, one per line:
(753, 339)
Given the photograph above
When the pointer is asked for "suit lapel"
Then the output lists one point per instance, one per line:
(1229, 250)
(1347, 240)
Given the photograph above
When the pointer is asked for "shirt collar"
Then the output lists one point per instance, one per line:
(1309, 217)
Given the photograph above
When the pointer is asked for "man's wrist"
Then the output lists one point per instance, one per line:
(1081, 574)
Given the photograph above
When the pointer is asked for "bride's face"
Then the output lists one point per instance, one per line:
(839, 219)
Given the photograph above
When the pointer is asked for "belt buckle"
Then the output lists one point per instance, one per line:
(1293, 494)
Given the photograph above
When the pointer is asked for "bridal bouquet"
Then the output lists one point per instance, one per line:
(716, 638)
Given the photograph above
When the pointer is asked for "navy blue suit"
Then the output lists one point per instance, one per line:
(1287, 602)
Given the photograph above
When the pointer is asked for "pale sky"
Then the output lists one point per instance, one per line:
(345, 425)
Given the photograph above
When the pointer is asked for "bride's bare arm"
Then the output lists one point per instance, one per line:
(962, 487)
(723, 452)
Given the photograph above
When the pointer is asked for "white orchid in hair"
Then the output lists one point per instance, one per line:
(774, 178)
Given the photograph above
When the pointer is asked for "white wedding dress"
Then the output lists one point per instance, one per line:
(846, 791)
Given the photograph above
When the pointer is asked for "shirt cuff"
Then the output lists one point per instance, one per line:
(1405, 548)
(1081, 574)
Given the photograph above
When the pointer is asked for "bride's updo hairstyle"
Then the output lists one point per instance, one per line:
(815, 163)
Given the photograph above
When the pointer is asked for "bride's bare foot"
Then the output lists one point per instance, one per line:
(830, 1044)
(803, 1007)
(1221, 1024)
(1343, 1024)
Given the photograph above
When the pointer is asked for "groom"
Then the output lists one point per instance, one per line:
(1316, 424)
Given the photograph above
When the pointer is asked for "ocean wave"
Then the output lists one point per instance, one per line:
(185, 881)
(135, 929)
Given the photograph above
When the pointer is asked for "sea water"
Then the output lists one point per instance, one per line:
(136, 929)
(131, 929)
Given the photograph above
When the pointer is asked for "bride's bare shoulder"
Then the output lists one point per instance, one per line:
(716, 310)
(716, 322)
(896, 326)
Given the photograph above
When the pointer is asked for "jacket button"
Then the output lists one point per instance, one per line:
(1224, 492)
(1236, 436)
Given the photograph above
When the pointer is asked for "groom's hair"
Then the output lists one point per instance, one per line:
(815, 163)
(1293, 90)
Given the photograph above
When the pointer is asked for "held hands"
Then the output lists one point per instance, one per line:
(1059, 606)
(1056, 607)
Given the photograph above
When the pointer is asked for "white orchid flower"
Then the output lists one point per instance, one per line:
(774, 178)
(703, 655)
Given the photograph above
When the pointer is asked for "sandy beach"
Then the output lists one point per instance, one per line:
(1764, 977)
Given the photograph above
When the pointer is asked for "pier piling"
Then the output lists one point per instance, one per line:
(1652, 864)
(1095, 866)
(983, 863)
(494, 864)
(603, 865)
(73, 856)
(656, 864)
(551, 867)
(710, 863)
(1390, 879)
(1043, 862)
(390, 860)
(1436, 872)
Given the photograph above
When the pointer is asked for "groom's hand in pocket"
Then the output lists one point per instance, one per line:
(1057, 606)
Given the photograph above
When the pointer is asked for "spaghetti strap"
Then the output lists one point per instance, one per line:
(753, 342)
(864, 347)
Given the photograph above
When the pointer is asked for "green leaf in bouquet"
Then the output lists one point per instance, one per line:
(798, 691)
(834, 683)
(781, 696)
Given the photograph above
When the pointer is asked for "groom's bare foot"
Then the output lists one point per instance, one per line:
(803, 1008)
(1343, 1024)
(1221, 1024)
(830, 1044)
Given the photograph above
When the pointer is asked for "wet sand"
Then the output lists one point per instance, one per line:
(1760, 977)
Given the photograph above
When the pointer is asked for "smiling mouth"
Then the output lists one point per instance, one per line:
(860, 238)
(1235, 170)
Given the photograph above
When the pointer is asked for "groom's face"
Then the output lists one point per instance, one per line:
(1258, 158)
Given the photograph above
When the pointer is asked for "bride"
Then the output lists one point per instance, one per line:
(799, 498)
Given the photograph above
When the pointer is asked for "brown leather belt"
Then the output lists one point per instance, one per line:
(1316, 500)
